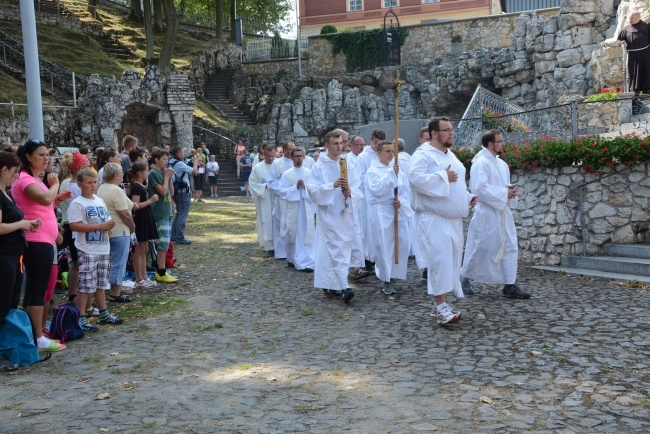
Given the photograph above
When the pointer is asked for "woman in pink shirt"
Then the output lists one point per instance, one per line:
(239, 152)
(37, 202)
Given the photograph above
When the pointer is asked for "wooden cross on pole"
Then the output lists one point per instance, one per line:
(399, 84)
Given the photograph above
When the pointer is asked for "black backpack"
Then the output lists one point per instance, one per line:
(180, 184)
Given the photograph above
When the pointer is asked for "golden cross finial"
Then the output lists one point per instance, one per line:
(397, 81)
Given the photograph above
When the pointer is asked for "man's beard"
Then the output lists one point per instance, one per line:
(448, 144)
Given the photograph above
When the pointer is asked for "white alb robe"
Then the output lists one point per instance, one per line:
(362, 164)
(263, 199)
(380, 184)
(440, 207)
(298, 219)
(279, 166)
(491, 253)
(335, 235)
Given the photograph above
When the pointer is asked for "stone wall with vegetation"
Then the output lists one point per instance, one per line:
(61, 127)
(10, 12)
(616, 208)
(273, 66)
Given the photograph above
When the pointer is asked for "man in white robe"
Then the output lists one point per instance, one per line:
(420, 259)
(357, 143)
(381, 180)
(263, 199)
(364, 160)
(440, 200)
(335, 235)
(297, 212)
(491, 253)
(280, 165)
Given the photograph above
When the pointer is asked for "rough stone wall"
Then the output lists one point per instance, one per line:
(12, 13)
(224, 56)
(272, 66)
(62, 128)
(426, 42)
(548, 218)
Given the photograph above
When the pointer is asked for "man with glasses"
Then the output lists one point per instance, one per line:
(357, 143)
(440, 200)
(381, 180)
(491, 252)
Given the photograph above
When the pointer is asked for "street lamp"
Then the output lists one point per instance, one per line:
(298, 39)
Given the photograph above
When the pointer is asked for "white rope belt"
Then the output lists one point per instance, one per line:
(503, 237)
(639, 49)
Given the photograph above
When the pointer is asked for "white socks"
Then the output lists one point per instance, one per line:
(441, 307)
(42, 342)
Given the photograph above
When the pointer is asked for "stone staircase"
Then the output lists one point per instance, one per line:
(622, 262)
(216, 92)
(112, 45)
(228, 184)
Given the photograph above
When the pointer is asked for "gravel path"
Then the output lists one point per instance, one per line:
(245, 344)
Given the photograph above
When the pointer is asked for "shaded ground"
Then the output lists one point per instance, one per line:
(245, 344)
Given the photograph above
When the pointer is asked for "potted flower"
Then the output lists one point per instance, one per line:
(457, 44)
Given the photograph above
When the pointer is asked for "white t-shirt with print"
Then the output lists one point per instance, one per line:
(212, 165)
(90, 211)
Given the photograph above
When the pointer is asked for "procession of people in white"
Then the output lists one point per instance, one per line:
(336, 217)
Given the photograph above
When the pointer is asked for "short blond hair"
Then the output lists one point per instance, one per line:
(110, 170)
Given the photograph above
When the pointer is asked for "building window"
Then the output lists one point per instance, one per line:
(355, 5)
(429, 1)
(390, 3)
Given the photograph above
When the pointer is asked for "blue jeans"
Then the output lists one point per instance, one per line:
(180, 219)
(120, 247)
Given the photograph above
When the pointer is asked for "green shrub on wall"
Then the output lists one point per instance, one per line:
(363, 49)
(328, 29)
(591, 153)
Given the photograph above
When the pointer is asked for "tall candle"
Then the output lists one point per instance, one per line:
(343, 167)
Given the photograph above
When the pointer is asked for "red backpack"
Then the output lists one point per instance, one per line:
(170, 261)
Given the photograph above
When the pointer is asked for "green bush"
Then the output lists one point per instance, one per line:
(363, 49)
(456, 39)
(326, 30)
(593, 154)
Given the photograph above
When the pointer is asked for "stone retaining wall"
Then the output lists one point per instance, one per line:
(12, 13)
(273, 66)
(548, 219)
(62, 128)
(425, 42)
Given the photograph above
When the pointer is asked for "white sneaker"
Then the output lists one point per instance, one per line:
(447, 317)
(152, 283)
(434, 312)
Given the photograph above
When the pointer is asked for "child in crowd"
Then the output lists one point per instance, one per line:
(89, 218)
(145, 224)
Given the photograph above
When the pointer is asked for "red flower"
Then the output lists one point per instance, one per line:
(588, 169)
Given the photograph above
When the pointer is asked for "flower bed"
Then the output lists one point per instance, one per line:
(591, 153)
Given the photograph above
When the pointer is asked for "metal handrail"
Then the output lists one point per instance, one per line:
(581, 210)
(12, 104)
(230, 148)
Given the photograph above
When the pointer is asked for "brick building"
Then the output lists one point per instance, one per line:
(368, 14)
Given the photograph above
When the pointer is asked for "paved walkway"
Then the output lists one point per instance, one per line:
(247, 345)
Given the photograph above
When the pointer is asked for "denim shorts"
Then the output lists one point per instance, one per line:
(164, 232)
(120, 247)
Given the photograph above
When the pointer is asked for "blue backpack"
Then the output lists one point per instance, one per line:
(65, 323)
(17, 339)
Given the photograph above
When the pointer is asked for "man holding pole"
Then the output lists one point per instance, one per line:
(385, 210)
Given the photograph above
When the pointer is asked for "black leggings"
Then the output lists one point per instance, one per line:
(12, 282)
(38, 265)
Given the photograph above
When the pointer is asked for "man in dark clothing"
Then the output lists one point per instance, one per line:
(637, 37)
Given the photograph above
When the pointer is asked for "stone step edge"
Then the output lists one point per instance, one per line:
(594, 273)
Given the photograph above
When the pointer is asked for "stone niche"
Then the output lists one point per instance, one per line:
(157, 113)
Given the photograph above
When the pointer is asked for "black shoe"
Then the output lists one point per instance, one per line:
(467, 286)
(307, 270)
(347, 295)
(270, 254)
(334, 292)
(290, 265)
(388, 288)
(424, 274)
(513, 291)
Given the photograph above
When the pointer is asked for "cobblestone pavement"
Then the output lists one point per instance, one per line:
(245, 344)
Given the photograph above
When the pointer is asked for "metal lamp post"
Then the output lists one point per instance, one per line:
(32, 70)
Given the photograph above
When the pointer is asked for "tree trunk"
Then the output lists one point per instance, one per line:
(157, 16)
(92, 7)
(171, 29)
(219, 32)
(148, 31)
(233, 12)
(136, 11)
